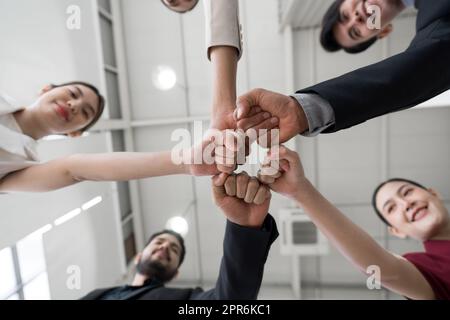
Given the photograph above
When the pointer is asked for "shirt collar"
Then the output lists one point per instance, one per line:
(152, 282)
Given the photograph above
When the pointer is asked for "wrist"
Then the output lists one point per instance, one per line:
(300, 115)
(184, 164)
(248, 224)
(186, 169)
(302, 190)
(222, 117)
(222, 110)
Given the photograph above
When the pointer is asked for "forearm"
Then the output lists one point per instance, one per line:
(63, 172)
(245, 252)
(355, 97)
(353, 242)
(224, 60)
(122, 166)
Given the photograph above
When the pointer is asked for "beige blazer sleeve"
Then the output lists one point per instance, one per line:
(222, 24)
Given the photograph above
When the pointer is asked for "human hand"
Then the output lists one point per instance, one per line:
(232, 146)
(292, 119)
(282, 170)
(243, 199)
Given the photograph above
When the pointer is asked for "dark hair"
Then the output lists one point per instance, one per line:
(171, 9)
(327, 38)
(176, 235)
(101, 100)
(377, 189)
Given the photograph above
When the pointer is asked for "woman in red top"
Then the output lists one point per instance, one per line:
(409, 209)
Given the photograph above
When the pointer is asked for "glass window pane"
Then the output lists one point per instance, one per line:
(112, 87)
(123, 188)
(31, 257)
(38, 289)
(129, 243)
(109, 54)
(118, 140)
(7, 274)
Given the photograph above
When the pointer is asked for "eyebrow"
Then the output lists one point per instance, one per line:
(399, 191)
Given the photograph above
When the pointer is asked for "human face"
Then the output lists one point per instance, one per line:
(353, 29)
(67, 109)
(180, 6)
(411, 210)
(165, 249)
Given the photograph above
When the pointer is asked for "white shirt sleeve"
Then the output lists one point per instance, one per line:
(222, 24)
(17, 151)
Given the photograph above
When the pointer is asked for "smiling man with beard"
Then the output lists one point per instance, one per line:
(249, 233)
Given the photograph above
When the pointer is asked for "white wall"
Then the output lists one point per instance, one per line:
(41, 49)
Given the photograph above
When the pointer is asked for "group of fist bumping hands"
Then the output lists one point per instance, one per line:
(280, 171)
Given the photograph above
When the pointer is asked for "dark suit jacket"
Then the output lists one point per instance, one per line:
(402, 81)
(245, 252)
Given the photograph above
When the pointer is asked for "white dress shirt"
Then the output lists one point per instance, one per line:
(17, 150)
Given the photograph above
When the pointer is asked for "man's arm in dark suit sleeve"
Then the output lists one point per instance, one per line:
(245, 252)
(402, 81)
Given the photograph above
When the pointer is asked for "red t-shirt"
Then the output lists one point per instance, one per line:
(434, 264)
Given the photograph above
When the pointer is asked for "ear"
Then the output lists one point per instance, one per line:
(137, 258)
(45, 89)
(386, 31)
(395, 232)
(75, 134)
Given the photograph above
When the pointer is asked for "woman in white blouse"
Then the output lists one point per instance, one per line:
(70, 109)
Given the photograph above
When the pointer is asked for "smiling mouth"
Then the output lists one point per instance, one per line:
(62, 112)
(419, 214)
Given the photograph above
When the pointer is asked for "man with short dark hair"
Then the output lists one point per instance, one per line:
(345, 24)
(250, 231)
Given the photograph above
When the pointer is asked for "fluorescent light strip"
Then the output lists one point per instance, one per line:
(54, 138)
(72, 214)
(91, 203)
(40, 231)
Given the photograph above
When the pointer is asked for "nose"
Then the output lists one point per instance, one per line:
(72, 107)
(408, 204)
(358, 17)
(165, 247)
